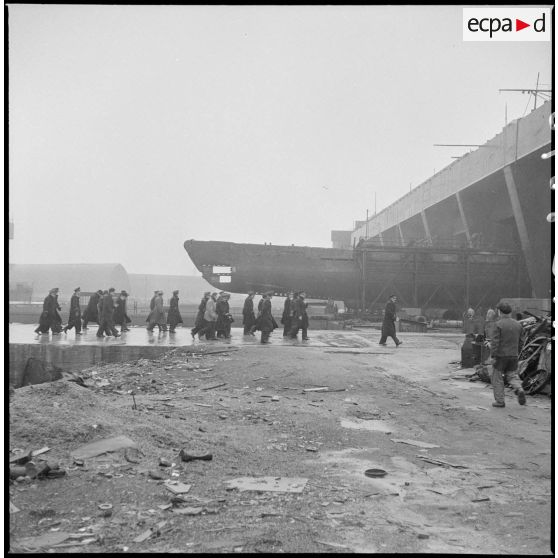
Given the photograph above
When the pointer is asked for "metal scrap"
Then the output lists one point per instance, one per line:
(440, 462)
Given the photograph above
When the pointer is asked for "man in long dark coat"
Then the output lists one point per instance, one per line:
(286, 318)
(267, 323)
(74, 319)
(173, 317)
(157, 315)
(121, 317)
(198, 324)
(256, 325)
(91, 313)
(56, 325)
(106, 316)
(49, 317)
(100, 306)
(224, 317)
(300, 317)
(388, 325)
(248, 316)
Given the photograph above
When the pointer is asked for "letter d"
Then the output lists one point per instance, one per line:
(540, 20)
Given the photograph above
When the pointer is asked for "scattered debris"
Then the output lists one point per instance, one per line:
(375, 473)
(268, 484)
(144, 536)
(189, 457)
(333, 545)
(366, 424)
(23, 459)
(49, 538)
(177, 487)
(132, 455)
(442, 463)
(324, 389)
(415, 443)
(213, 386)
(16, 472)
(188, 511)
(103, 446)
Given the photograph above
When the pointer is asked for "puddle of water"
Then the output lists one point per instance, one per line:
(371, 425)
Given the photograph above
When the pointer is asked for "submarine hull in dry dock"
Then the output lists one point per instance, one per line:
(420, 277)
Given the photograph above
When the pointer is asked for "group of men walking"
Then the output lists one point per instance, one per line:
(101, 308)
(214, 319)
(157, 316)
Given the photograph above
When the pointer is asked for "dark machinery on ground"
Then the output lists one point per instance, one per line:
(535, 356)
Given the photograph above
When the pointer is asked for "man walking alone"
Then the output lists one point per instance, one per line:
(504, 348)
(388, 325)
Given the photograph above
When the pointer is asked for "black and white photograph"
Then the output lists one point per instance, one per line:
(280, 279)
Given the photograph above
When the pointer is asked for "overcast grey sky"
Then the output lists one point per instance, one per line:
(134, 128)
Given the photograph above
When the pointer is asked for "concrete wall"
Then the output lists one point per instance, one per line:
(75, 358)
(518, 139)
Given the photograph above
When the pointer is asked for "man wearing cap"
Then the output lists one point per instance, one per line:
(224, 317)
(121, 317)
(91, 313)
(257, 323)
(210, 317)
(199, 323)
(267, 323)
(300, 317)
(106, 315)
(74, 319)
(49, 317)
(157, 315)
(100, 306)
(174, 318)
(56, 325)
(152, 305)
(248, 316)
(388, 325)
(504, 348)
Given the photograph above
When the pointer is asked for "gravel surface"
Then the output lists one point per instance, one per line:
(484, 487)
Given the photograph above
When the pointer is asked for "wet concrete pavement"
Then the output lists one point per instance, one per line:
(139, 336)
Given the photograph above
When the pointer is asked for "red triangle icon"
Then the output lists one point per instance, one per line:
(519, 25)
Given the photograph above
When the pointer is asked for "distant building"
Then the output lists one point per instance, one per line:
(341, 239)
(40, 278)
